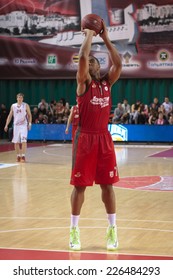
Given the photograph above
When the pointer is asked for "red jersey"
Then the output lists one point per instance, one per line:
(75, 120)
(94, 107)
(94, 157)
(75, 115)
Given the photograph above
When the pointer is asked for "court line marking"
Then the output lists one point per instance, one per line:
(54, 146)
(84, 227)
(55, 155)
(53, 179)
(144, 146)
(119, 145)
(160, 152)
(88, 252)
(143, 190)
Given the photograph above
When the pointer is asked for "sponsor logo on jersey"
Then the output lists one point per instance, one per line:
(104, 82)
(111, 174)
(78, 174)
(93, 85)
(103, 102)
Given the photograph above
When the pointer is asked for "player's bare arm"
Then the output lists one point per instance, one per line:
(69, 120)
(29, 115)
(115, 69)
(8, 119)
(83, 77)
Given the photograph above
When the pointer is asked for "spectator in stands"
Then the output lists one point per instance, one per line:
(142, 114)
(44, 103)
(42, 119)
(118, 114)
(170, 120)
(66, 114)
(63, 101)
(135, 108)
(42, 109)
(50, 116)
(162, 109)
(153, 113)
(59, 112)
(167, 105)
(34, 115)
(126, 115)
(156, 102)
(160, 120)
(52, 106)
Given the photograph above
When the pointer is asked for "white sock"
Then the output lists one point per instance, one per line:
(74, 220)
(112, 219)
(23, 155)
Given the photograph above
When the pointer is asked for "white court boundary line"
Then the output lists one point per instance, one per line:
(80, 252)
(144, 146)
(84, 227)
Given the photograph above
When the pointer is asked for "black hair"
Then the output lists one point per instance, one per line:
(95, 59)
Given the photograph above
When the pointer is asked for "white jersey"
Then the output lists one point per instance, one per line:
(19, 114)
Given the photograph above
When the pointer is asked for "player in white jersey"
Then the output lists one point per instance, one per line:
(22, 120)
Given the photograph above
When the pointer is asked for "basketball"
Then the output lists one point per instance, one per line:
(92, 22)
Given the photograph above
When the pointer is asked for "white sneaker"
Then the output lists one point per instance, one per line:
(74, 243)
(112, 240)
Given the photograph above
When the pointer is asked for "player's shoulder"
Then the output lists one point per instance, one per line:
(14, 105)
(105, 78)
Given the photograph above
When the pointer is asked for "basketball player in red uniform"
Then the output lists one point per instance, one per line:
(94, 159)
(73, 119)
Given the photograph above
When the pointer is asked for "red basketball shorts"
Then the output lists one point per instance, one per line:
(93, 160)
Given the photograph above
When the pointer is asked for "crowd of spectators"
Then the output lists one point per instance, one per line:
(139, 113)
(57, 112)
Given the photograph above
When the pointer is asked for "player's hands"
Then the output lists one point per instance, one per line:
(29, 126)
(6, 128)
(66, 131)
(104, 33)
(88, 31)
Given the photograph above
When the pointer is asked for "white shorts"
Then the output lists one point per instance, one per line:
(20, 133)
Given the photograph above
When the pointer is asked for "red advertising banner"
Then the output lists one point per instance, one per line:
(41, 38)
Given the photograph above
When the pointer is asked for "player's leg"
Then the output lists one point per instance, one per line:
(16, 141)
(83, 174)
(108, 198)
(17, 149)
(106, 176)
(23, 151)
(77, 200)
(23, 135)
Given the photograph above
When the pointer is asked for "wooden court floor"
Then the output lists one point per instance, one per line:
(35, 205)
